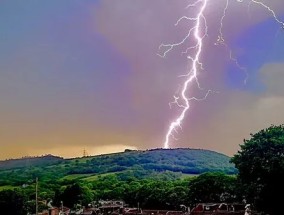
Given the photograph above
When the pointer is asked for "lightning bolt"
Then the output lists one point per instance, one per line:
(192, 75)
(198, 32)
(221, 41)
(270, 10)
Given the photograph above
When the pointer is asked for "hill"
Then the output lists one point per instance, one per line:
(193, 161)
(29, 161)
(168, 163)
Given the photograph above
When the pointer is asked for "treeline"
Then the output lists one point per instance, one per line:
(29, 161)
(150, 193)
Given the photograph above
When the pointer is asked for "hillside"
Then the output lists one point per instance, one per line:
(192, 161)
(129, 164)
(29, 161)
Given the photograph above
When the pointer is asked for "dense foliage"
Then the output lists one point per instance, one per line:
(154, 179)
(214, 187)
(29, 161)
(177, 160)
(261, 169)
(148, 193)
(12, 202)
(135, 164)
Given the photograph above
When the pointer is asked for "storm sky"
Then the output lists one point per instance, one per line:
(78, 75)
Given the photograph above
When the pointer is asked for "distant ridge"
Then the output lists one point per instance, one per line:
(29, 161)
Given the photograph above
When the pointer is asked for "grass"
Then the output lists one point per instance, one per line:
(75, 176)
(7, 187)
(92, 177)
(95, 177)
(185, 175)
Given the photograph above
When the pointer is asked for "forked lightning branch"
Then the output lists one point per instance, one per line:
(197, 32)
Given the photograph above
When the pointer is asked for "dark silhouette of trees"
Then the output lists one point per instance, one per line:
(12, 202)
(261, 169)
(212, 187)
(76, 194)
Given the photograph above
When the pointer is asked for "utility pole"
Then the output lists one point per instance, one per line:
(85, 154)
(61, 212)
(36, 196)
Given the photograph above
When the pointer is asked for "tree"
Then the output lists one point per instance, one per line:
(12, 202)
(76, 194)
(212, 187)
(261, 169)
(177, 195)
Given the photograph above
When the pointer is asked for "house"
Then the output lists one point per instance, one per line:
(218, 208)
(56, 211)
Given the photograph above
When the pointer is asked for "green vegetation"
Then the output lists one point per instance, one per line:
(77, 176)
(157, 179)
(261, 169)
(162, 193)
(134, 176)
(29, 161)
(7, 187)
(156, 163)
(13, 202)
(95, 177)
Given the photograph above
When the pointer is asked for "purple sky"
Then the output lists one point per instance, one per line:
(78, 75)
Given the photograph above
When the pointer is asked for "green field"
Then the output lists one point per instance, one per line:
(184, 175)
(7, 187)
(75, 176)
(95, 177)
